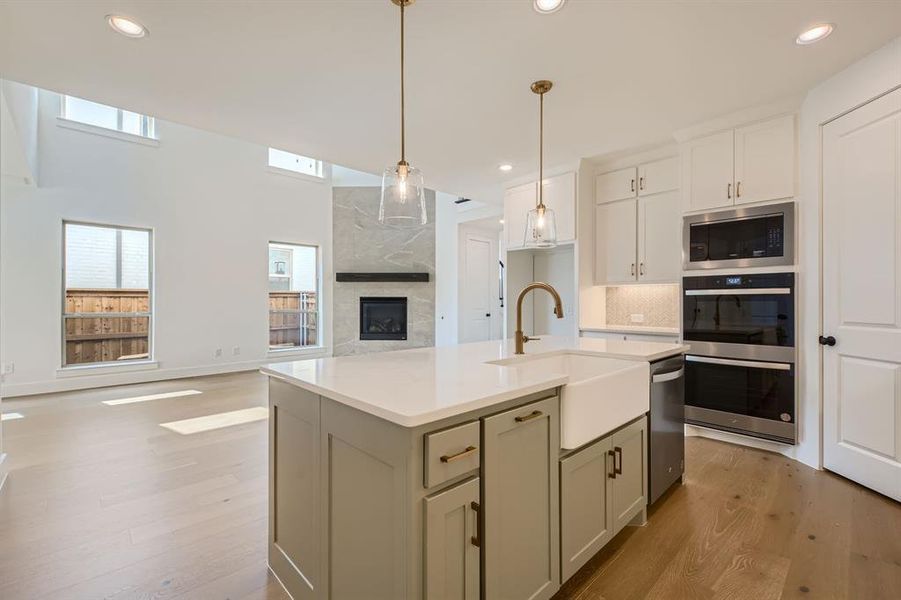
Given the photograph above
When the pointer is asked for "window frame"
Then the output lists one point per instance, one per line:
(321, 175)
(319, 345)
(148, 123)
(105, 365)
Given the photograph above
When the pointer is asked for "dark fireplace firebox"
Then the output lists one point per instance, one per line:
(383, 318)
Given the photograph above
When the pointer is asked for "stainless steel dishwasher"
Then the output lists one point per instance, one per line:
(667, 426)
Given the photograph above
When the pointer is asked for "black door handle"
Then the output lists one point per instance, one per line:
(487, 314)
(827, 341)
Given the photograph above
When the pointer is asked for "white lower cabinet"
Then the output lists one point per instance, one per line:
(451, 547)
(603, 487)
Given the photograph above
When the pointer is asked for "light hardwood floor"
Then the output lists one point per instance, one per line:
(103, 502)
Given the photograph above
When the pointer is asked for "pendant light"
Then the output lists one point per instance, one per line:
(541, 224)
(403, 196)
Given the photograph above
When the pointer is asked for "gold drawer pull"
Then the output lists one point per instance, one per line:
(533, 415)
(462, 454)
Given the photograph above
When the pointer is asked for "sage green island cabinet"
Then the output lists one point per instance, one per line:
(521, 501)
(463, 507)
(603, 488)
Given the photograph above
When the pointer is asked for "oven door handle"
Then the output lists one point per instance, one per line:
(740, 292)
(751, 364)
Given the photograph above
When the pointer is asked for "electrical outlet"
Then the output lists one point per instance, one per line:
(636, 318)
(9, 368)
(236, 350)
(217, 353)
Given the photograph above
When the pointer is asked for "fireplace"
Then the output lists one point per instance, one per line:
(383, 318)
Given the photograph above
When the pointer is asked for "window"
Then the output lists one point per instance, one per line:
(295, 162)
(293, 296)
(107, 117)
(106, 304)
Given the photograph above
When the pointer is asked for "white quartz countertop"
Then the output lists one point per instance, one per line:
(424, 385)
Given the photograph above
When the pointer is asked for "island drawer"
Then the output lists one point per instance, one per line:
(450, 453)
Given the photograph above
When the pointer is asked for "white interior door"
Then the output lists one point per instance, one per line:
(478, 288)
(862, 295)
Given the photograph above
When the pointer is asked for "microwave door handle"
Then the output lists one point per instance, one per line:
(740, 292)
(751, 364)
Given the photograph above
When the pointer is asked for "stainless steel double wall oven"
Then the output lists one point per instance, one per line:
(740, 371)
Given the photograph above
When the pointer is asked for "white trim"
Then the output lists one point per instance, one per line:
(65, 384)
(305, 351)
(295, 174)
(4, 475)
(104, 368)
(103, 131)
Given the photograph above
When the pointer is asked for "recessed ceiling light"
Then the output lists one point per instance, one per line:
(548, 6)
(814, 34)
(125, 26)
(506, 167)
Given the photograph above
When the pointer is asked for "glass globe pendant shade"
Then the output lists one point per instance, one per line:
(541, 228)
(403, 197)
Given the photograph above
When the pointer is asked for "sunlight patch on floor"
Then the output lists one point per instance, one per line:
(218, 420)
(11, 416)
(151, 397)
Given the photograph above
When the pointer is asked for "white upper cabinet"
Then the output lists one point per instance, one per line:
(658, 176)
(765, 161)
(659, 237)
(616, 185)
(559, 195)
(707, 172)
(756, 163)
(638, 225)
(518, 201)
(616, 229)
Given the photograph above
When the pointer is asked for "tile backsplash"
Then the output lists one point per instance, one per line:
(659, 304)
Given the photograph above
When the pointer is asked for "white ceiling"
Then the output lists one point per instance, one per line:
(321, 77)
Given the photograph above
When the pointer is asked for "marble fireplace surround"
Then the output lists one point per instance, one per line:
(362, 245)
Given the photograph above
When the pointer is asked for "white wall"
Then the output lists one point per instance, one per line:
(445, 270)
(863, 81)
(18, 124)
(213, 207)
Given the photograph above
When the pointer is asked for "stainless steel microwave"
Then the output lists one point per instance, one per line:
(757, 236)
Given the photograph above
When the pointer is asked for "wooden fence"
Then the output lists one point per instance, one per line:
(106, 325)
(293, 319)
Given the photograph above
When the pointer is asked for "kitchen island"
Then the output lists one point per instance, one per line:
(449, 472)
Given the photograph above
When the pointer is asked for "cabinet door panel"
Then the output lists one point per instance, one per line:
(630, 488)
(765, 161)
(616, 185)
(450, 553)
(615, 242)
(707, 172)
(521, 502)
(659, 237)
(658, 176)
(585, 517)
(518, 201)
(560, 195)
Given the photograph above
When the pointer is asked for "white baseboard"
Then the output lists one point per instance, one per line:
(66, 384)
(786, 450)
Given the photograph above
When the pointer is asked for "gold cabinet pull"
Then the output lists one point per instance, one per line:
(728, 191)
(738, 190)
(476, 540)
(618, 451)
(532, 415)
(641, 183)
(633, 184)
(449, 458)
(632, 270)
(612, 455)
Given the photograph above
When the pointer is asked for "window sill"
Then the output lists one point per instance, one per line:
(289, 352)
(105, 368)
(110, 133)
(295, 174)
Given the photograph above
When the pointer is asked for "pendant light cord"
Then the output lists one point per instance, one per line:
(541, 151)
(403, 157)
